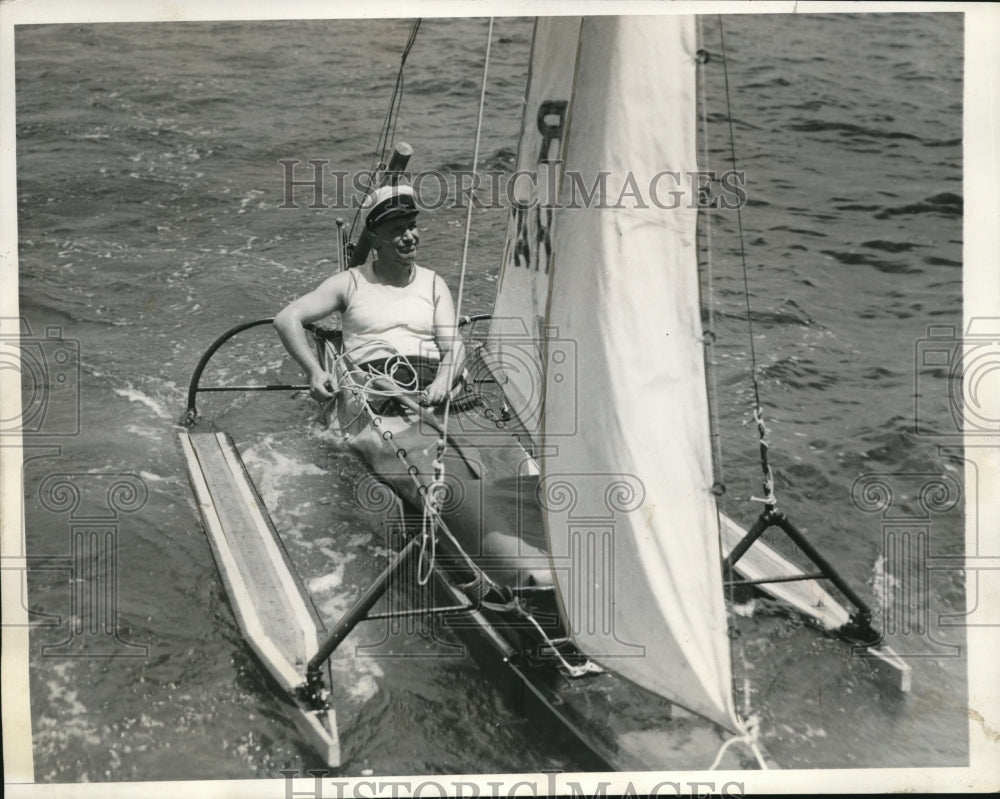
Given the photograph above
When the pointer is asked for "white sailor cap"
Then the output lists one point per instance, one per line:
(389, 202)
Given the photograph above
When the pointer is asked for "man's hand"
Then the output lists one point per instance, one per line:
(320, 383)
(436, 392)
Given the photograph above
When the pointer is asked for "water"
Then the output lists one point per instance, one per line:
(150, 221)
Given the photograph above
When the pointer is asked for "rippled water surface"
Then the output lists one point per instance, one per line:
(150, 221)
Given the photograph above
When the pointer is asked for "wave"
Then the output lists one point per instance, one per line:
(133, 395)
(798, 373)
(890, 246)
(852, 258)
(848, 128)
(946, 204)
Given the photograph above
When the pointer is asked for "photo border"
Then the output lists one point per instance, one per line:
(981, 244)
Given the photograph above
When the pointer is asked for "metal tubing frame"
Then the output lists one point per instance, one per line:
(824, 565)
(765, 520)
(768, 580)
(193, 388)
(860, 622)
(359, 610)
(444, 610)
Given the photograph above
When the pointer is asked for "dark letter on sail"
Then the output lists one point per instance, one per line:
(551, 131)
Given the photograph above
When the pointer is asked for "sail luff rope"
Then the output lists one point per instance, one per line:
(758, 413)
(432, 498)
(713, 393)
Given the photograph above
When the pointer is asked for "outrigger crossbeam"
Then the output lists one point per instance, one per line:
(360, 611)
(859, 630)
(354, 616)
(856, 628)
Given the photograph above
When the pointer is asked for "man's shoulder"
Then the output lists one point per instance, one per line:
(425, 273)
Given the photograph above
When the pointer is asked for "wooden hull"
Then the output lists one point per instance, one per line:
(271, 606)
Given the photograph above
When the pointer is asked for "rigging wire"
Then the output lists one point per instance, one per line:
(436, 491)
(387, 132)
(468, 232)
(396, 101)
(748, 722)
(758, 413)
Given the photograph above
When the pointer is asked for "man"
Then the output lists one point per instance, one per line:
(390, 307)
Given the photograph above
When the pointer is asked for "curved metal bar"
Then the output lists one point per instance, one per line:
(193, 389)
(471, 320)
(192, 411)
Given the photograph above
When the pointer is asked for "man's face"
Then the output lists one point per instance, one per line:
(397, 239)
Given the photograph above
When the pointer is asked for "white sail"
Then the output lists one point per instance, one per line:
(514, 345)
(630, 517)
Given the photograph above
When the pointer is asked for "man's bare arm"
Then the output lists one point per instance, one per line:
(328, 297)
(449, 341)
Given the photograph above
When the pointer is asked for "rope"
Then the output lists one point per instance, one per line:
(748, 723)
(361, 392)
(588, 667)
(768, 483)
(713, 393)
(468, 218)
(428, 540)
(432, 522)
(768, 498)
(750, 735)
(749, 726)
(435, 492)
(399, 361)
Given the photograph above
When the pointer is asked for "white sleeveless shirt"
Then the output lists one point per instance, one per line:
(383, 320)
